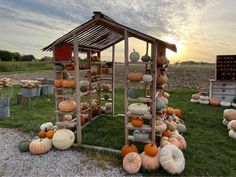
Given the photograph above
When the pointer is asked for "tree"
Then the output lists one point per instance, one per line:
(27, 58)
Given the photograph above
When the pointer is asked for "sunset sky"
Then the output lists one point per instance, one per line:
(201, 29)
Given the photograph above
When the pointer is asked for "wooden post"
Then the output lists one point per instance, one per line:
(113, 80)
(146, 67)
(99, 85)
(154, 74)
(126, 85)
(77, 88)
(89, 74)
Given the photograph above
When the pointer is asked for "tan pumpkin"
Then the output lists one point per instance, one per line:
(151, 149)
(165, 141)
(214, 102)
(162, 60)
(67, 106)
(68, 83)
(135, 77)
(40, 146)
(196, 96)
(132, 163)
(230, 114)
(127, 149)
(58, 83)
(161, 79)
(150, 163)
(160, 126)
(171, 125)
(180, 138)
(63, 139)
(172, 159)
(67, 117)
(137, 122)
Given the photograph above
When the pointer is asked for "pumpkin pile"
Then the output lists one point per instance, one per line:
(229, 120)
(30, 84)
(48, 137)
(6, 82)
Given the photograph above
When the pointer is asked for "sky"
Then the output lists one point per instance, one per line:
(201, 29)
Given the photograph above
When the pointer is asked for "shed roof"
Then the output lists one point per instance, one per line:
(101, 32)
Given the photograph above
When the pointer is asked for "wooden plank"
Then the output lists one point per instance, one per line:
(141, 99)
(141, 63)
(68, 124)
(113, 80)
(126, 55)
(77, 86)
(99, 84)
(146, 128)
(98, 148)
(146, 116)
(131, 138)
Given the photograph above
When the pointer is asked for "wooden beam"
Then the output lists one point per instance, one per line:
(113, 80)
(98, 148)
(126, 46)
(77, 88)
(113, 43)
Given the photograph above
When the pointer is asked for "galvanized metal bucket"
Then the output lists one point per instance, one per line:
(29, 92)
(38, 91)
(47, 89)
(4, 107)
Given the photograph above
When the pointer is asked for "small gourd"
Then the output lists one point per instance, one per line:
(140, 135)
(147, 78)
(151, 149)
(134, 56)
(146, 58)
(23, 145)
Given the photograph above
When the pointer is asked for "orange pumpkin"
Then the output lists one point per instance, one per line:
(178, 112)
(135, 77)
(127, 149)
(67, 106)
(167, 133)
(170, 110)
(214, 102)
(50, 134)
(58, 83)
(137, 122)
(68, 83)
(161, 79)
(42, 134)
(69, 67)
(150, 149)
(162, 60)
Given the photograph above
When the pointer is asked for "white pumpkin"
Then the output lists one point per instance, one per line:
(172, 159)
(132, 162)
(46, 126)
(225, 122)
(147, 78)
(134, 56)
(84, 83)
(108, 105)
(150, 162)
(67, 117)
(232, 125)
(165, 100)
(204, 98)
(203, 101)
(230, 114)
(225, 103)
(63, 139)
(138, 108)
(160, 126)
(232, 134)
(233, 104)
(194, 101)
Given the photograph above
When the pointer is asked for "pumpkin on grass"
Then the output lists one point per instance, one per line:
(178, 112)
(132, 163)
(165, 141)
(160, 126)
(137, 122)
(180, 138)
(230, 114)
(151, 149)
(172, 159)
(150, 162)
(214, 101)
(40, 146)
(167, 133)
(63, 139)
(232, 125)
(170, 110)
(127, 149)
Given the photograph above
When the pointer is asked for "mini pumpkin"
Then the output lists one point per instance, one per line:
(167, 133)
(170, 110)
(67, 117)
(165, 141)
(150, 162)
(58, 83)
(214, 102)
(137, 122)
(50, 134)
(68, 83)
(180, 138)
(40, 146)
(67, 106)
(135, 77)
(171, 125)
(147, 78)
(42, 134)
(178, 112)
(46, 126)
(23, 145)
(132, 163)
(151, 149)
(127, 149)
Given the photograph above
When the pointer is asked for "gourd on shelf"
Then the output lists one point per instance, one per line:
(135, 77)
(138, 108)
(134, 56)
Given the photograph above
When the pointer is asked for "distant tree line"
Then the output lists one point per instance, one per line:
(15, 56)
(192, 63)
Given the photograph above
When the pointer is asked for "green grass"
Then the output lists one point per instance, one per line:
(28, 66)
(210, 151)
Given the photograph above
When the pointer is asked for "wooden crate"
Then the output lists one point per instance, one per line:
(226, 67)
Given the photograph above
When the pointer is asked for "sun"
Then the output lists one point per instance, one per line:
(178, 44)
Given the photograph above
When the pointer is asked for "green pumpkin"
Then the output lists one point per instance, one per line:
(146, 58)
(23, 145)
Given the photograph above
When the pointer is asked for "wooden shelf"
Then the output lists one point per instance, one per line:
(94, 83)
(103, 99)
(140, 82)
(64, 62)
(83, 70)
(140, 63)
(141, 99)
(84, 93)
(131, 138)
(105, 91)
(68, 124)
(86, 110)
(95, 62)
(60, 112)
(65, 96)
(146, 128)
(146, 116)
(109, 79)
(64, 88)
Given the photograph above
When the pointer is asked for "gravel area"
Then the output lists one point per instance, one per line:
(54, 163)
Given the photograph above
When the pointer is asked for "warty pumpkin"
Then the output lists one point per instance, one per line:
(151, 149)
(127, 149)
(160, 126)
(132, 163)
(150, 162)
(165, 141)
(40, 146)
(135, 77)
(138, 108)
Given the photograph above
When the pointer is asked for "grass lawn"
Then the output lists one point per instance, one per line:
(210, 151)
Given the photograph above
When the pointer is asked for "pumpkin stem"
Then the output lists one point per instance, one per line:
(134, 50)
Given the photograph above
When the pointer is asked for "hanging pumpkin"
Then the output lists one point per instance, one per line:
(137, 122)
(150, 162)
(214, 102)
(172, 159)
(135, 77)
(138, 108)
(160, 126)
(230, 114)
(40, 146)
(150, 149)
(58, 83)
(161, 79)
(68, 83)
(127, 149)
(134, 56)
(67, 106)
(132, 163)
(63, 139)
(162, 60)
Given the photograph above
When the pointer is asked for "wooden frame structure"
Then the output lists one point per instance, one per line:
(98, 34)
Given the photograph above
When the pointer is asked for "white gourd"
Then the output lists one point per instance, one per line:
(232, 125)
(134, 56)
(147, 78)
(232, 134)
(138, 108)
(230, 114)
(225, 103)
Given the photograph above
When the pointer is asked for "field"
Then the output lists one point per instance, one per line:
(208, 142)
